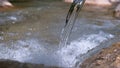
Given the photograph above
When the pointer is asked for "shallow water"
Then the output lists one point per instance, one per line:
(31, 33)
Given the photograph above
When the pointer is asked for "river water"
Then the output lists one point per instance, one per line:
(31, 33)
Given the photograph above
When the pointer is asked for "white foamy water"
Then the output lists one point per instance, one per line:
(20, 50)
(69, 54)
(31, 50)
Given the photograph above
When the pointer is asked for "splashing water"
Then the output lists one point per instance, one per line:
(77, 48)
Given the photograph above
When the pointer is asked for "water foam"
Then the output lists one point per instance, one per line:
(20, 50)
(69, 54)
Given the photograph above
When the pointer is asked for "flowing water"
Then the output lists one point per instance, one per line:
(66, 31)
(69, 24)
(31, 33)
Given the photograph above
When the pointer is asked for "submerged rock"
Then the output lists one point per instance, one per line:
(107, 58)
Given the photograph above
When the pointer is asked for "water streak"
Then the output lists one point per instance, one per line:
(70, 22)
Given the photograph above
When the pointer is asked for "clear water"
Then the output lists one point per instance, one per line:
(66, 32)
(31, 33)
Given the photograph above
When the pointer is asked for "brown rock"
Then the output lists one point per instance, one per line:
(5, 4)
(107, 58)
(116, 63)
(117, 11)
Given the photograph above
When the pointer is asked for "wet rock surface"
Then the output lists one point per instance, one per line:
(107, 58)
(16, 64)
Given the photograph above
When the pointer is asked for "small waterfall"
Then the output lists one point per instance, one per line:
(70, 22)
(66, 32)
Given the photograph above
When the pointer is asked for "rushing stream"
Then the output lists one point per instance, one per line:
(31, 33)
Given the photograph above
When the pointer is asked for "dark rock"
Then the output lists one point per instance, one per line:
(16, 64)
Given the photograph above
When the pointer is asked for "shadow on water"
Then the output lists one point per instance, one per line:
(32, 34)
